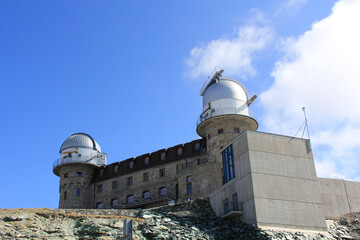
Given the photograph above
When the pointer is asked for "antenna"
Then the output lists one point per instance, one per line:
(305, 125)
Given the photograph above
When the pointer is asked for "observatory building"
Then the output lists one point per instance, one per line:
(258, 178)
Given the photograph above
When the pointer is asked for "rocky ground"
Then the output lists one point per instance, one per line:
(190, 220)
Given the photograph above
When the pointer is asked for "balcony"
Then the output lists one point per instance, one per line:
(224, 111)
(97, 160)
(148, 203)
(231, 210)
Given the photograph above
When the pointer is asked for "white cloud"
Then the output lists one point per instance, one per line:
(321, 71)
(235, 53)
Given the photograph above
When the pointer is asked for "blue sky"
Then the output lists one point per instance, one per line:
(129, 74)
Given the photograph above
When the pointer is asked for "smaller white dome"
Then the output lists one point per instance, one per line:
(225, 88)
(80, 140)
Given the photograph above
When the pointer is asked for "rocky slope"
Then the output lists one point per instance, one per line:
(190, 220)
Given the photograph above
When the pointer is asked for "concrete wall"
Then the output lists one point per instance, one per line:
(276, 182)
(339, 197)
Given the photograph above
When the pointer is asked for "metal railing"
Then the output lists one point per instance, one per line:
(224, 111)
(230, 206)
(98, 160)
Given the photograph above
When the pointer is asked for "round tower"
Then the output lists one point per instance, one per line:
(80, 154)
(225, 111)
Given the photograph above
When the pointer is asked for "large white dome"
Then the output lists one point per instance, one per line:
(225, 88)
(80, 140)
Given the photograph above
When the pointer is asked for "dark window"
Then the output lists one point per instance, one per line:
(65, 195)
(162, 172)
(220, 130)
(114, 202)
(162, 156)
(78, 174)
(130, 180)
(226, 206)
(179, 151)
(116, 168)
(131, 164)
(78, 192)
(228, 164)
(235, 202)
(79, 155)
(147, 160)
(146, 195)
(99, 205)
(101, 172)
(197, 147)
(130, 199)
(163, 191)
(188, 185)
(208, 136)
(198, 162)
(66, 175)
(236, 130)
(114, 185)
(99, 188)
(146, 176)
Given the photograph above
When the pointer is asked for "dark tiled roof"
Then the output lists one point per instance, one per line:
(154, 160)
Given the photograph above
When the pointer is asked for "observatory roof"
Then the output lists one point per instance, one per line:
(225, 88)
(80, 140)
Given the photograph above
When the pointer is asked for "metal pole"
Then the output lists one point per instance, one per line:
(307, 127)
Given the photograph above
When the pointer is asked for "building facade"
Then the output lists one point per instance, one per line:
(259, 178)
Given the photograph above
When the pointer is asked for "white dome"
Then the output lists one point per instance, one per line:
(225, 88)
(80, 140)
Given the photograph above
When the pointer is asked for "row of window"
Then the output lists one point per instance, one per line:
(221, 131)
(78, 174)
(162, 157)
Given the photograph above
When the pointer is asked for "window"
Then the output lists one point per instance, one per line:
(147, 160)
(208, 137)
(79, 155)
(130, 199)
(78, 192)
(228, 164)
(146, 195)
(163, 191)
(130, 180)
(99, 205)
(162, 156)
(162, 172)
(235, 202)
(179, 151)
(198, 162)
(114, 185)
(220, 130)
(116, 168)
(236, 130)
(188, 185)
(131, 164)
(101, 172)
(197, 147)
(66, 175)
(78, 174)
(226, 206)
(65, 195)
(146, 177)
(114, 202)
(99, 188)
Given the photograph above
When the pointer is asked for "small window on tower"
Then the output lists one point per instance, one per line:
(99, 188)
(114, 185)
(147, 160)
(131, 164)
(146, 176)
(130, 180)
(78, 192)
(220, 130)
(66, 175)
(179, 151)
(162, 156)
(197, 147)
(116, 168)
(236, 130)
(78, 174)
(65, 195)
(162, 172)
(101, 172)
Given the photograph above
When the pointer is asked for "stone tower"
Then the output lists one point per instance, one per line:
(225, 111)
(80, 154)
